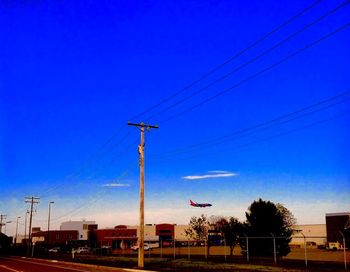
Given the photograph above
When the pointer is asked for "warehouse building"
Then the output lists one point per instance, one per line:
(338, 228)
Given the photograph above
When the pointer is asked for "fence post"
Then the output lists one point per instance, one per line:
(345, 262)
(305, 249)
(247, 244)
(161, 249)
(189, 250)
(274, 249)
(225, 248)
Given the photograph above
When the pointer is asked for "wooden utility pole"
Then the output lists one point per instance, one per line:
(18, 217)
(48, 224)
(25, 227)
(32, 200)
(141, 150)
(2, 217)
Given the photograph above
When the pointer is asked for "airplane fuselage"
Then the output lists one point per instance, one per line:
(200, 205)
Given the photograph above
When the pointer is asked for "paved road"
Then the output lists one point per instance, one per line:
(17, 264)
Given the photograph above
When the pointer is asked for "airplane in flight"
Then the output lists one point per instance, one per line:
(200, 205)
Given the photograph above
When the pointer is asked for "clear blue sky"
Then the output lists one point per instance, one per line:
(72, 73)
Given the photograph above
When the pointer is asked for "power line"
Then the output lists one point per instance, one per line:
(93, 199)
(232, 58)
(255, 75)
(84, 166)
(282, 119)
(252, 60)
(320, 122)
(106, 143)
(297, 52)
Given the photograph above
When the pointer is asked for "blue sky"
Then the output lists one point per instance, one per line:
(74, 73)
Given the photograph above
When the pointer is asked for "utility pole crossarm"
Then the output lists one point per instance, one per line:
(142, 125)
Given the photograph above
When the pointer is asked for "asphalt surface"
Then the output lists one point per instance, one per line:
(18, 264)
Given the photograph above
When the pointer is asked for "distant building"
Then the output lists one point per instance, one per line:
(315, 235)
(338, 224)
(119, 237)
(165, 232)
(82, 227)
(180, 233)
(5, 242)
(57, 237)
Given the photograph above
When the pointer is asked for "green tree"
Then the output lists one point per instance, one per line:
(266, 219)
(198, 228)
(230, 228)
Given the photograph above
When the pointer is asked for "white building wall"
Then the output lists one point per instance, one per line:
(80, 226)
(313, 233)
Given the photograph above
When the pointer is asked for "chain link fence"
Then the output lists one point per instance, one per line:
(245, 249)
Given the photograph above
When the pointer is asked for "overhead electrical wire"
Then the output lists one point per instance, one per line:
(282, 119)
(212, 71)
(257, 74)
(252, 60)
(229, 60)
(320, 122)
(99, 194)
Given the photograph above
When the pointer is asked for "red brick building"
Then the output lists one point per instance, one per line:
(57, 237)
(120, 237)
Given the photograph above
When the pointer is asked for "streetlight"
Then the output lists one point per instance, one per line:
(48, 223)
(18, 217)
(305, 255)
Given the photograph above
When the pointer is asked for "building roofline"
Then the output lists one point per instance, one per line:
(338, 214)
(305, 225)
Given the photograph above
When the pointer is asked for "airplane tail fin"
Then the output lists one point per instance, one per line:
(191, 202)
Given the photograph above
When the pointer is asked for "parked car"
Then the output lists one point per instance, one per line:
(82, 250)
(54, 249)
(146, 246)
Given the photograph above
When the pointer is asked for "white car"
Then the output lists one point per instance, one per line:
(145, 247)
(54, 249)
(82, 250)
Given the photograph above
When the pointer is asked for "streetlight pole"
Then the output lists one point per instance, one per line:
(18, 217)
(48, 222)
(344, 249)
(304, 237)
(304, 248)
